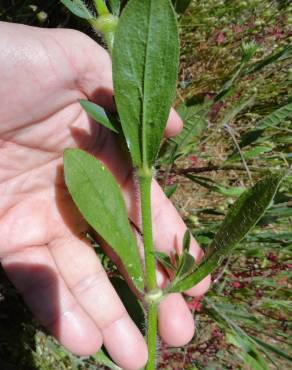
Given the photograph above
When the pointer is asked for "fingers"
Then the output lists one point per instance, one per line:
(176, 324)
(35, 275)
(174, 124)
(92, 289)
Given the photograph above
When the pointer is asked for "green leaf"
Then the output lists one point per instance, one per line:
(165, 260)
(181, 6)
(130, 302)
(187, 241)
(242, 216)
(186, 265)
(169, 190)
(194, 119)
(115, 6)
(101, 358)
(145, 64)
(98, 197)
(272, 348)
(78, 8)
(231, 113)
(252, 153)
(98, 114)
(276, 117)
(274, 57)
(213, 186)
(250, 355)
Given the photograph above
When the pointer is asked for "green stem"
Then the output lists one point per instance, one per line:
(101, 7)
(145, 179)
(151, 335)
(106, 24)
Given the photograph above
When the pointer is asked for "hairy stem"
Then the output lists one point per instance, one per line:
(101, 7)
(145, 179)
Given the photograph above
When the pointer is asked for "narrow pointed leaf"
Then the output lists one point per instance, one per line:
(181, 6)
(165, 260)
(78, 8)
(145, 64)
(243, 215)
(99, 199)
(186, 241)
(115, 6)
(101, 358)
(98, 114)
(187, 265)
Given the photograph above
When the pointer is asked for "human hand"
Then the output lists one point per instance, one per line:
(43, 250)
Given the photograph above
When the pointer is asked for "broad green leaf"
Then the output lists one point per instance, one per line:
(78, 8)
(98, 114)
(101, 358)
(115, 6)
(145, 64)
(242, 216)
(99, 199)
(213, 186)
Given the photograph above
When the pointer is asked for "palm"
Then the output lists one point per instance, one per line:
(42, 248)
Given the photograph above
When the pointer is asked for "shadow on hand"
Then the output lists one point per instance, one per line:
(18, 328)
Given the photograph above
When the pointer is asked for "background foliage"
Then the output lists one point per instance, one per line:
(235, 71)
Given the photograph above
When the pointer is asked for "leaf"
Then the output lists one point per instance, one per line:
(272, 348)
(186, 265)
(187, 241)
(236, 109)
(181, 6)
(101, 358)
(250, 355)
(145, 64)
(130, 302)
(284, 53)
(169, 190)
(98, 114)
(98, 197)
(213, 186)
(276, 117)
(115, 6)
(194, 119)
(242, 216)
(78, 8)
(165, 260)
(252, 153)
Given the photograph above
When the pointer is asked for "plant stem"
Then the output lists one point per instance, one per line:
(101, 7)
(151, 335)
(145, 180)
(106, 24)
